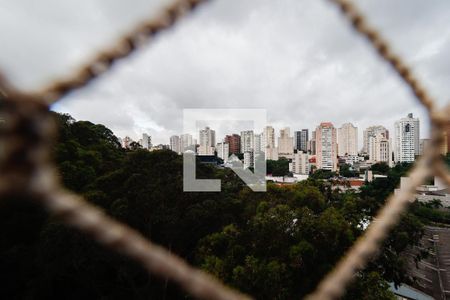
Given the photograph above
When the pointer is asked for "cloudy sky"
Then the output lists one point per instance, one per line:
(296, 58)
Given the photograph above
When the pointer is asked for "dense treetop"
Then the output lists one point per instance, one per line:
(274, 245)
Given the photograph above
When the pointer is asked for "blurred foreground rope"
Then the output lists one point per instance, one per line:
(123, 47)
(27, 136)
(334, 284)
(25, 166)
(26, 172)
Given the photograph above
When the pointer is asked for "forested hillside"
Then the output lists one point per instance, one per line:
(274, 245)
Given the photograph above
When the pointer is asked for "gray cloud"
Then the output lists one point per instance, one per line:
(298, 59)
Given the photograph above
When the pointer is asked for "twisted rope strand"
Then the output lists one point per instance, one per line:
(125, 46)
(360, 25)
(25, 170)
(74, 211)
(334, 284)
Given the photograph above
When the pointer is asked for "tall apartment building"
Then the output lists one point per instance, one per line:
(301, 140)
(312, 144)
(380, 149)
(146, 141)
(300, 163)
(271, 153)
(247, 141)
(268, 143)
(268, 137)
(326, 147)
(407, 133)
(372, 131)
(223, 151)
(175, 143)
(187, 142)
(207, 138)
(285, 144)
(234, 142)
(424, 144)
(258, 143)
(304, 138)
(249, 159)
(347, 140)
(297, 140)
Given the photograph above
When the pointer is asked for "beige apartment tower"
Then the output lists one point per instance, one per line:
(326, 147)
(347, 140)
(285, 144)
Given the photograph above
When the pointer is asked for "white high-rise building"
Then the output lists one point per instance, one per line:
(285, 144)
(300, 163)
(372, 131)
(247, 141)
(146, 141)
(175, 144)
(223, 151)
(407, 133)
(347, 140)
(207, 139)
(326, 147)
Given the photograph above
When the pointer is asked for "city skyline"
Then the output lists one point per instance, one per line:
(360, 133)
(378, 144)
(328, 148)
